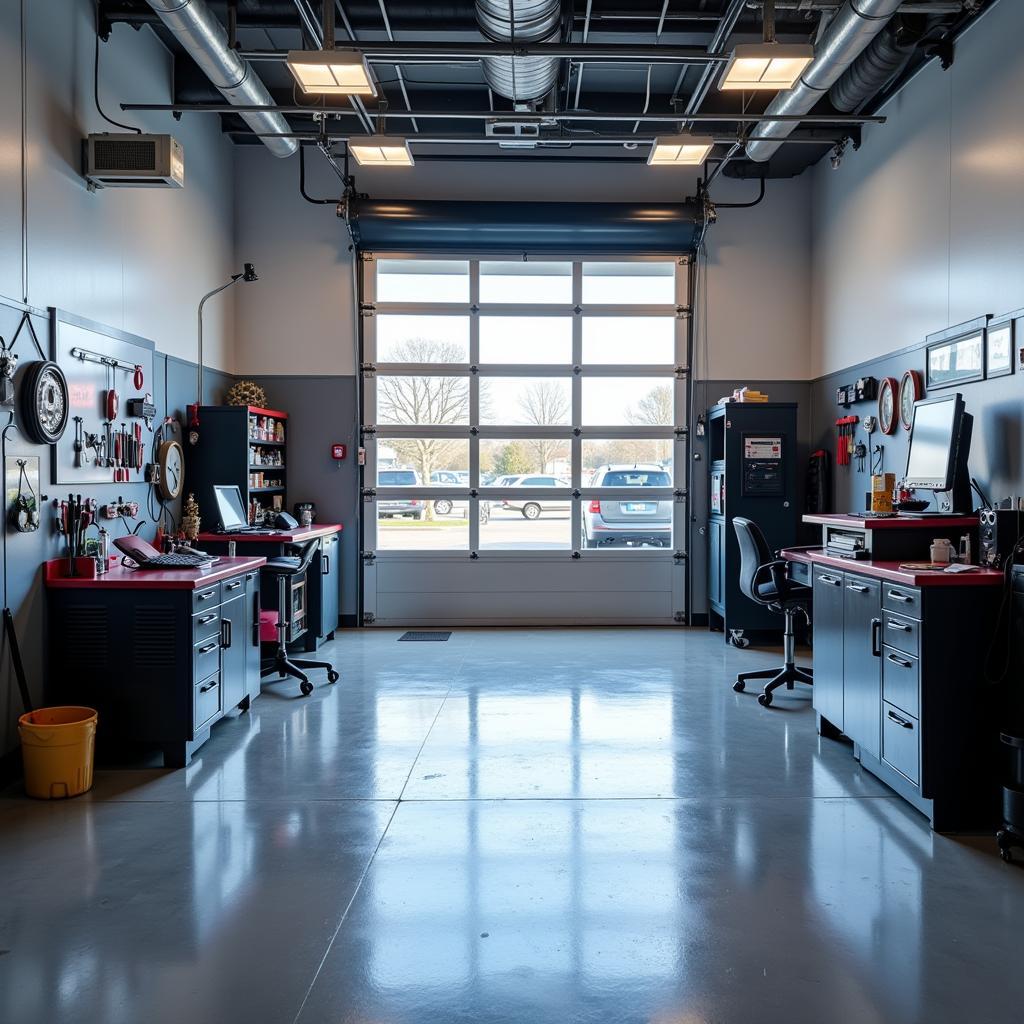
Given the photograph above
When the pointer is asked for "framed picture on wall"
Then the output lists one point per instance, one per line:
(956, 356)
(999, 349)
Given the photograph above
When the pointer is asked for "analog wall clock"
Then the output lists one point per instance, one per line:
(910, 392)
(44, 402)
(170, 458)
(887, 404)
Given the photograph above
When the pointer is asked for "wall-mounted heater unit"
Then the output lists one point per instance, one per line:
(128, 160)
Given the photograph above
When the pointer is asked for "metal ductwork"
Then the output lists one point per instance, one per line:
(205, 40)
(867, 75)
(520, 79)
(848, 34)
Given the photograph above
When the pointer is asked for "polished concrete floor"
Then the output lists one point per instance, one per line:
(514, 826)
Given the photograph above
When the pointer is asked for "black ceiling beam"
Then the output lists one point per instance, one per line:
(481, 115)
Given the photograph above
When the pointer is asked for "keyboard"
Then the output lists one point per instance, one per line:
(179, 560)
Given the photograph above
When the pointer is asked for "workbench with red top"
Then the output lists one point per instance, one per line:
(162, 654)
(900, 668)
(324, 581)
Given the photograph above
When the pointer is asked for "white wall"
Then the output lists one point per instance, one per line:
(299, 321)
(924, 226)
(135, 259)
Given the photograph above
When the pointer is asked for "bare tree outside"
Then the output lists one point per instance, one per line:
(424, 400)
(656, 408)
(543, 404)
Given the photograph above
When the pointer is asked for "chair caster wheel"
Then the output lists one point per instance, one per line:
(764, 699)
(1006, 855)
(332, 676)
(740, 641)
(306, 688)
(739, 686)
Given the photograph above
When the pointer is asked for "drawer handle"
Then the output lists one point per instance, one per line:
(206, 595)
(900, 661)
(233, 586)
(212, 685)
(903, 723)
(897, 596)
(832, 581)
(901, 626)
(856, 588)
(204, 619)
(876, 638)
(209, 647)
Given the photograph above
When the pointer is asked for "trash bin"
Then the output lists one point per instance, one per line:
(57, 746)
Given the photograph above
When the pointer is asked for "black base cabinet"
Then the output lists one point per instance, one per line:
(161, 666)
(900, 671)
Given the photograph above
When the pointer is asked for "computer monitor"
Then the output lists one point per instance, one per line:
(940, 442)
(230, 508)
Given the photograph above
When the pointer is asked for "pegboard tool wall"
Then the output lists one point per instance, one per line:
(172, 382)
(105, 369)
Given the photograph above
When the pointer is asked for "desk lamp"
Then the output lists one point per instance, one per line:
(248, 274)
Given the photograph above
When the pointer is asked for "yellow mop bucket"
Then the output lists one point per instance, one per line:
(57, 746)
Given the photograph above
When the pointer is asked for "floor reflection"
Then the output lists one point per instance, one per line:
(523, 826)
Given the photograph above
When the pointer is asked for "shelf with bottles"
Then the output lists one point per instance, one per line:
(262, 457)
(267, 426)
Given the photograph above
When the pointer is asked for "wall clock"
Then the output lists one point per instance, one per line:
(910, 392)
(44, 402)
(887, 400)
(170, 458)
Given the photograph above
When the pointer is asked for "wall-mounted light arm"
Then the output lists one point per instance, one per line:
(248, 274)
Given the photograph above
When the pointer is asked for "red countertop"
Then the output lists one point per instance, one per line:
(892, 572)
(899, 522)
(120, 578)
(299, 536)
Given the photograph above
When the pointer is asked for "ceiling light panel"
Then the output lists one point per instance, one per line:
(332, 72)
(680, 150)
(381, 151)
(769, 66)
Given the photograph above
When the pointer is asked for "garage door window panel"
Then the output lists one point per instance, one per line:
(417, 338)
(427, 281)
(633, 283)
(526, 339)
(420, 400)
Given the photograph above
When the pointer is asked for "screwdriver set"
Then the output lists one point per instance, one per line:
(74, 517)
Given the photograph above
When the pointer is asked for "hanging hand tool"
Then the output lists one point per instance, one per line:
(79, 446)
(137, 378)
(111, 402)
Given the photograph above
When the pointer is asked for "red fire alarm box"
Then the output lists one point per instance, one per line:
(338, 451)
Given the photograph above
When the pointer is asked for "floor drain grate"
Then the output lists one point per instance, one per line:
(415, 634)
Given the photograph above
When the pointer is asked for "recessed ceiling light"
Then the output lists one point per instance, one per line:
(332, 72)
(772, 66)
(680, 150)
(381, 151)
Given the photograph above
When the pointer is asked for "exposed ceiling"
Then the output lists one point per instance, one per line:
(590, 107)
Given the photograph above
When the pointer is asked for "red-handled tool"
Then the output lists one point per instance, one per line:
(137, 378)
(111, 401)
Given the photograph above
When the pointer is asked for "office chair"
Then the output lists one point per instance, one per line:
(286, 570)
(763, 579)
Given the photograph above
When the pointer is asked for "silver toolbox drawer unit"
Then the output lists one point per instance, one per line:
(206, 597)
(901, 632)
(206, 657)
(205, 625)
(901, 680)
(206, 702)
(906, 600)
(901, 742)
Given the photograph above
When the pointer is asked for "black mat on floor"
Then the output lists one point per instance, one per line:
(420, 634)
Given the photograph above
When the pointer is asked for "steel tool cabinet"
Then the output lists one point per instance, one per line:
(162, 656)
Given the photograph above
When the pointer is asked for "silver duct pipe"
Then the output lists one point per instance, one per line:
(205, 40)
(845, 38)
(867, 75)
(523, 21)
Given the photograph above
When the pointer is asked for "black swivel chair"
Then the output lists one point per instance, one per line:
(763, 579)
(285, 571)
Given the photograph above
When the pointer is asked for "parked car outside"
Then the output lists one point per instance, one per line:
(631, 523)
(531, 508)
(452, 477)
(412, 507)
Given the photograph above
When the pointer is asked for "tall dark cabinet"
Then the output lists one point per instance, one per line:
(752, 450)
(242, 445)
